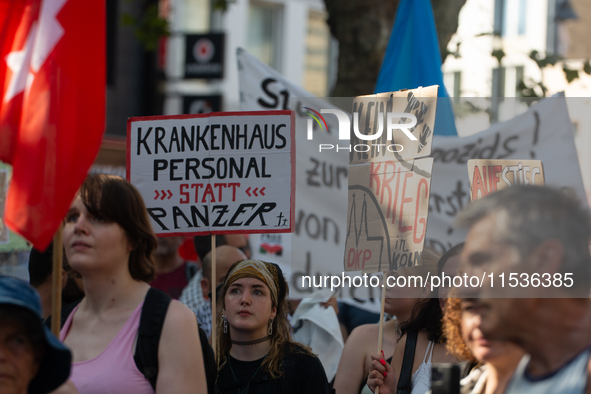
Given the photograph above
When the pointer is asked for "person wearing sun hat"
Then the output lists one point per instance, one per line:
(32, 360)
(256, 353)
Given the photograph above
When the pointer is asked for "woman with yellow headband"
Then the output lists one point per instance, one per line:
(255, 351)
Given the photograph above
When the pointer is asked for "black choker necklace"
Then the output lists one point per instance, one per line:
(253, 342)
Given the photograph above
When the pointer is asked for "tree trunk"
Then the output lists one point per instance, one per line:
(363, 28)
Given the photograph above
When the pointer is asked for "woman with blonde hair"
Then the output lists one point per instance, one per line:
(255, 351)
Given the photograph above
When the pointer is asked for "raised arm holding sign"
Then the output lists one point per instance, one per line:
(388, 183)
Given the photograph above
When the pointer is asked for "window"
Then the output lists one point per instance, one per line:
(264, 34)
(518, 80)
(522, 17)
(498, 82)
(316, 72)
(499, 21)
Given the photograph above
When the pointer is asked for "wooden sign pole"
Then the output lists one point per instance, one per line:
(381, 330)
(213, 286)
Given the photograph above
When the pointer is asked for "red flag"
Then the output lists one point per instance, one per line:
(52, 108)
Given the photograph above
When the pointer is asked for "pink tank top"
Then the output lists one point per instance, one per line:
(114, 370)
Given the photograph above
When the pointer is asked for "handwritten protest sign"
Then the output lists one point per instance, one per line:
(387, 221)
(487, 176)
(389, 188)
(404, 129)
(543, 133)
(214, 173)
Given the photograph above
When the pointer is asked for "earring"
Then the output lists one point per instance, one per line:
(225, 323)
(271, 326)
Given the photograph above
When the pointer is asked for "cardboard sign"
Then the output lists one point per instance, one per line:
(543, 133)
(487, 176)
(389, 189)
(217, 173)
(384, 114)
(387, 220)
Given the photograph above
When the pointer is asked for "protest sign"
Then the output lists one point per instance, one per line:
(215, 173)
(487, 176)
(544, 133)
(387, 221)
(398, 124)
(318, 241)
(388, 199)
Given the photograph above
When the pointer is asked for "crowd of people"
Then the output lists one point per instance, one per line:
(137, 315)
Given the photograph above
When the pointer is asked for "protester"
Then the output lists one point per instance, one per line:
(423, 333)
(226, 256)
(109, 241)
(41, 279)
(173, 273)
(356, 360)
(448, 265)
(192, 295)
(254, 346)
(535, 231)
(239, 241)
(495, 360)
(32, 360)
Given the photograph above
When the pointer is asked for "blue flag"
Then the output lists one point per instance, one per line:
(413, 59)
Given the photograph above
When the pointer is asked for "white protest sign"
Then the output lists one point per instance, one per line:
(542, 133)
(318, 242)
(488, 176)
(388, 199)
(215, 173)
(388, 208)
(545, 131)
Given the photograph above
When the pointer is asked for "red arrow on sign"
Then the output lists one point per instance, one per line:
(248, 191)
(255, 191)
(157, 195)
(169, 194)
(163, 194)
(261, 191)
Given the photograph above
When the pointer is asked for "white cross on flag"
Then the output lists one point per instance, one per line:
(52, 106)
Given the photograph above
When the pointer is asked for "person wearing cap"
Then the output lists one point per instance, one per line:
(109, 241)
(255, 351)
(32, 360)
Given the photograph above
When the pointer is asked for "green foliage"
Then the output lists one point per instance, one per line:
(548, 60)
(222, 5)
(570, 74)
(499, 54)
(531, 89)
(587, 67)
(456, 53)
(149, 28)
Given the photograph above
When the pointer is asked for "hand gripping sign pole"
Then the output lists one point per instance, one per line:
(388, 200)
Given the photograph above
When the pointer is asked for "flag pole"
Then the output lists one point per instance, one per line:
(381, 330)
(213, 286)
(56, 292)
